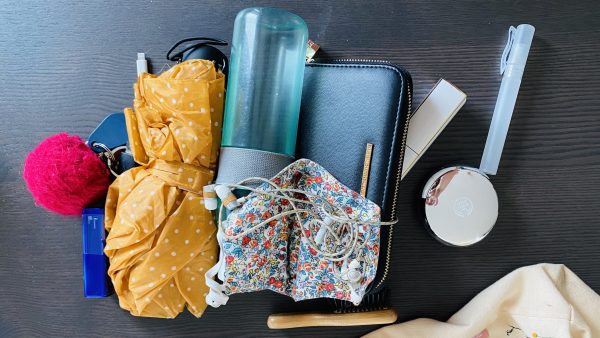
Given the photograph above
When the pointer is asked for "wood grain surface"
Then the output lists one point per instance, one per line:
(65, 65)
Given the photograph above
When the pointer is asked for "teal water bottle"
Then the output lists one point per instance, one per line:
(264, 89)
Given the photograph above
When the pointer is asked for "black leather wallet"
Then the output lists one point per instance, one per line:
(345, 106)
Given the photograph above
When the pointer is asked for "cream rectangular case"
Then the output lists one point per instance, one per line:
(430, 118)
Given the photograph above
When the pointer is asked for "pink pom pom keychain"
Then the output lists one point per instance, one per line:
(64, 175)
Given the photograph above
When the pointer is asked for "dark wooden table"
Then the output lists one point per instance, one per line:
(66, 65)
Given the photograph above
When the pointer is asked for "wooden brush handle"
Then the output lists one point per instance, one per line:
(294, 320)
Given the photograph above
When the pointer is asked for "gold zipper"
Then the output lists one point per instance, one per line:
(359, 60)
(398, 174)
(397, 188)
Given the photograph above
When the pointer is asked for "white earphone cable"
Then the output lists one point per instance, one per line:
(284, 193)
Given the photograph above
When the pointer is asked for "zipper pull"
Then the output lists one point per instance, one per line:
(311, 50)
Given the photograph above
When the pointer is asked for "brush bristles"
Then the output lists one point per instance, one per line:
(371, 302)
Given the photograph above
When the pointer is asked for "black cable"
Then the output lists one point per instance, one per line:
(204, 42)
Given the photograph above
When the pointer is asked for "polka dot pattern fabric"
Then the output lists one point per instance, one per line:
(161, 239)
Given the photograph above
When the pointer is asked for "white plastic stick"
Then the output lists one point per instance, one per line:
(512, 65)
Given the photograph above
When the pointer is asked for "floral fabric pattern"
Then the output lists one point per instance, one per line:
(279, 256)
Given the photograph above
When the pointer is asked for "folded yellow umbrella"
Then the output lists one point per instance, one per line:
(161, 239)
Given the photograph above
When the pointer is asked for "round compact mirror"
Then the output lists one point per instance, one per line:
(461, 205)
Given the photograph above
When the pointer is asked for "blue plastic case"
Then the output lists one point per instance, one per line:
(95, 266)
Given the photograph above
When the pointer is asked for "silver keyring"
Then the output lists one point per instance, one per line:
(110, 155)
(106, 151)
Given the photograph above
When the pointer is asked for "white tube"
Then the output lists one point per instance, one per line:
(507, 97)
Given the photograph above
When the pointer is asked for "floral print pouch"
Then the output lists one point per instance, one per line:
(289, 255)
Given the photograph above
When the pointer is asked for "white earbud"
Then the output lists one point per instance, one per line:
(227, 197)
(210, 197)
(215, 296)
(216, 299)
(320, 236)
(354, 275)
(351, 272)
